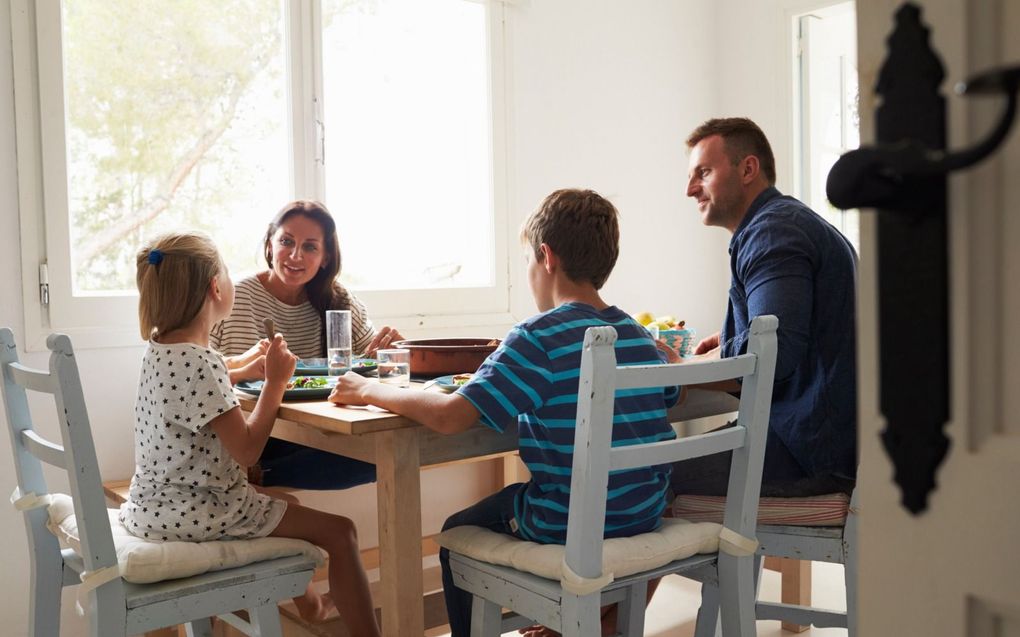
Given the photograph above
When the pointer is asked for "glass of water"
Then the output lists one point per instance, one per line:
(338, 341)
(394, 367)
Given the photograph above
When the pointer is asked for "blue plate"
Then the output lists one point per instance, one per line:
(254, 387)
(317, 366)
(446, 383)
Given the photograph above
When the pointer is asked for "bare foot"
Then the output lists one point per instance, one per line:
(314, 607)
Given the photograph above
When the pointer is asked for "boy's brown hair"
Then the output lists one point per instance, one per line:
(174, 273)
(582, 228)
(741, 137)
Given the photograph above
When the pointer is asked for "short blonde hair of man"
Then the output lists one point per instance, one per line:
(172, 286)
(582, 227)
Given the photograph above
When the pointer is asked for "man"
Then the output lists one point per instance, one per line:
(787, 261)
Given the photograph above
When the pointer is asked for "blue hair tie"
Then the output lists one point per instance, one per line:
(155, 256)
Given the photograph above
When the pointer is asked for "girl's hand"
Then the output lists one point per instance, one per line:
(385, 337)
(279, 361)
(349, 390)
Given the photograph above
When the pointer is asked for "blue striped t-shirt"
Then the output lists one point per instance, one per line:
(533, 376)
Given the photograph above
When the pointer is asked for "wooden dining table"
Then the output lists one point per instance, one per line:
(400, 448)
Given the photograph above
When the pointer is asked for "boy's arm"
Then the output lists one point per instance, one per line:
(445, 413)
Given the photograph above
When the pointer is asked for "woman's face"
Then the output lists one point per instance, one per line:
(298, 248)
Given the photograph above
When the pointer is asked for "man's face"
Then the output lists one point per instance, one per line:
(715, 183)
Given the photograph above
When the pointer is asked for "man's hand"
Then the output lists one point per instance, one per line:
(707, 344)
(349, 390)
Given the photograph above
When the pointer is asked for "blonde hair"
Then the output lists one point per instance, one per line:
(174, 272)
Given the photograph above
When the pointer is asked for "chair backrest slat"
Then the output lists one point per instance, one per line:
(33, 379)
(76, 455)
(594, 456)
(43, 449)
(654, 453)
(636, 376)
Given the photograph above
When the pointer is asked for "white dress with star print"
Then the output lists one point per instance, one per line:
(186, 485)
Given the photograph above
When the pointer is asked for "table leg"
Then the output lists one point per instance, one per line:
(398, 487)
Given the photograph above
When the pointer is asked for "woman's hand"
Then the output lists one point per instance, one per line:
(348, 390)
(280, 363)
(254, 370)
(385, 337)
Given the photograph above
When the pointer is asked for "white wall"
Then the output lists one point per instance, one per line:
(602, 95)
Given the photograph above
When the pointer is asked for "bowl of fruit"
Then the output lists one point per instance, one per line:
(670, 330)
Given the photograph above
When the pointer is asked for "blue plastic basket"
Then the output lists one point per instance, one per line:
(680, 340)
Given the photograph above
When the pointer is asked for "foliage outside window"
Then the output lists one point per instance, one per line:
(178, 116)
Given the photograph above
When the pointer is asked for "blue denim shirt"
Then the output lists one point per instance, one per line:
(788, 261)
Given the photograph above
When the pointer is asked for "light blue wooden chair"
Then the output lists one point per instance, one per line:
(533, 599)
(832, 544)
(114, 606)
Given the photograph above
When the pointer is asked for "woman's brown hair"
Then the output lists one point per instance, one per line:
(324, 292)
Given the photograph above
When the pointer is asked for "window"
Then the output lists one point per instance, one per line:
(156, 116)
(826, 102)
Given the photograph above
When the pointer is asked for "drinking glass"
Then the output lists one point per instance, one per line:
(394, 367)
(338, 341)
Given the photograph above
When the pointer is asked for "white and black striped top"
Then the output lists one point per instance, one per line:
(301, 325)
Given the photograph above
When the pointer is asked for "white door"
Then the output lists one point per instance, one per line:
(955, 569)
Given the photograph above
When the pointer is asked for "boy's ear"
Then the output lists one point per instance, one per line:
(550, 262)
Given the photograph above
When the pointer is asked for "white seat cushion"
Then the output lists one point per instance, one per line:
(675, 540)
(144, 561)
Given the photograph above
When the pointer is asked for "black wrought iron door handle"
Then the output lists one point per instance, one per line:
(881, 176)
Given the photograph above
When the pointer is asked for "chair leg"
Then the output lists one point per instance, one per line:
(737, 594)
(630, 613)
(265, 620)
(581, 615)
(850, 578)
(485, 618)
(199, 628)
(47, 584)
(708, 614)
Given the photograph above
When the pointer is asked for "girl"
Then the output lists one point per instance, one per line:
(191, 439)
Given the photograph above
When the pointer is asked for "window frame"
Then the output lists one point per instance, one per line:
(42, 180)
(798, 39)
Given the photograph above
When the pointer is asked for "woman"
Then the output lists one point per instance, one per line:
(303, 255)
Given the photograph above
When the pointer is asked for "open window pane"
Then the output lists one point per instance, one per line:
(176, 118)
(408, 165)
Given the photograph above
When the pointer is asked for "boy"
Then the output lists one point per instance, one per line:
(571, 244)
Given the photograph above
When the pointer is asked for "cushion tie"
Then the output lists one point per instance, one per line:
(94, 579)
(30, 500)
(578, 585)
(735, 544)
